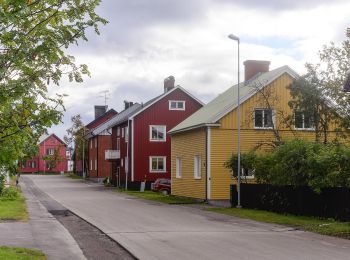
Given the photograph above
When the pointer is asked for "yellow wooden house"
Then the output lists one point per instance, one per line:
(201, 144)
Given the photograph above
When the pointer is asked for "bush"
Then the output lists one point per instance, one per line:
(10, 193)
(300, 163)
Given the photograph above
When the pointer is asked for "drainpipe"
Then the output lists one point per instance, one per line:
(127, 159)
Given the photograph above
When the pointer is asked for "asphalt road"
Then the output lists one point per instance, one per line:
(156, 231)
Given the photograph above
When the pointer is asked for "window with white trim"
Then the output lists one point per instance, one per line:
(118, 143)
(122, 132)
(95, 164)
(118, 131)
(122, 162)
(157, 164)
(197, 167)
(49, 151)
(303, 121)
(90, 143)
(247, 173)
(157, 133)
(126, 134)
(177, 105)
(33, 164)
(263, 118)
(96, 142)
(178, 167)
(90, 165)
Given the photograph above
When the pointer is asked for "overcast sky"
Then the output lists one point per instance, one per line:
(146, 41)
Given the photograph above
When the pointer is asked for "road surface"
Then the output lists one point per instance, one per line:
(151, 230)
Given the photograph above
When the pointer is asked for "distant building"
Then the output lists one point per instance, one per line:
(346, 87)
(48, 145)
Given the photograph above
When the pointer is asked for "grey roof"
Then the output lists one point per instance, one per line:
(227, 101)
(43, 137)
(117, 119)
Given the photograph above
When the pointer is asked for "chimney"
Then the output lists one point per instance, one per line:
(253, 67)
(127, 104)
(169, 83)
(100, 110)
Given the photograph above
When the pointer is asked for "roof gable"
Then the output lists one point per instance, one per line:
(227, 101)
(45, 136)
(92, 125)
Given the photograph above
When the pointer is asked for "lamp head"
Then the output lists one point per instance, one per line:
(233, 37)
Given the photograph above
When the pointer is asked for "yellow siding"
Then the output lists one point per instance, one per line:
(187, 145)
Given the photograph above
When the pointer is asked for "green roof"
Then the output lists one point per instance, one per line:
(227, 101)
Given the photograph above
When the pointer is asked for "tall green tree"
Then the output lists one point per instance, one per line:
(34, 36)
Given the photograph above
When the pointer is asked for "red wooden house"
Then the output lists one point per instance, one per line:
(140, 149)
(91, 160)
(48, 145)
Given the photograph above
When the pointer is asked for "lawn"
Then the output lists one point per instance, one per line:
(14, 208)
(73, 176)
(19, 253)
(317, 225)
(155, 196)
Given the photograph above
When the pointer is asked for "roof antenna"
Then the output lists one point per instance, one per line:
(105, 94)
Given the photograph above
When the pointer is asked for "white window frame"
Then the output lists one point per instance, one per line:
(303, 123)
(121, 162)
(197, 167)
(177, 105)
(178, 164)
(157, 157)
(95, 164)
(118, 144)
(118, 131)
(157, 140)
(50, 151)
(263, 117)
(126, 134)
(90, 143)
(96, 142)
(90, 164)
(122, 132)
(247, 177)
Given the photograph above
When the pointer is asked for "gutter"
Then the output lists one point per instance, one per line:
(193, 127)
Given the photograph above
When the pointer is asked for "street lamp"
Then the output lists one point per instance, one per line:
(235, 38)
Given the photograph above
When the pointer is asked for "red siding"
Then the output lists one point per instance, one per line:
(158, 114)
(51, 142)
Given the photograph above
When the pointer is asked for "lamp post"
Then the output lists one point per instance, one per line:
(235, 38)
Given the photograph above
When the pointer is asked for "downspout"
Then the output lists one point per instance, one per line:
(97, 156)
(127, 158)
(132, 149)
(208, 164)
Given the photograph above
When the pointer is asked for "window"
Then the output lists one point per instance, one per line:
(197, 167)
(157, 133)
(157, 164)
(118, 143)
(49, 151)
(176, 105)
(118, 131)
(91, 144)
(96, 142)
(126, 134)
(95, 164)
(178, 167)
(33, 164)
(247, 173)
(123, 132)
(122, 162)
(90, 165)
(263, 118)
(303, 121)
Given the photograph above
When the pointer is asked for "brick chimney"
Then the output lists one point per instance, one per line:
(169, 83)
(100, 110)
(253, 67)
(127, 104)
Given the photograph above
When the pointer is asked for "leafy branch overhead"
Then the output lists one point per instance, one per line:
(34, 36)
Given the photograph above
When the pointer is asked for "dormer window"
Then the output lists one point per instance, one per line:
(176, 105)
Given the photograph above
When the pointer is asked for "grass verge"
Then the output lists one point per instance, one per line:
(155, 196)
(321, 226)
(12, 253)
(73, 176)
(14, 208)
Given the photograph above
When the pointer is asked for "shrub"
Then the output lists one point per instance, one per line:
(10, 193)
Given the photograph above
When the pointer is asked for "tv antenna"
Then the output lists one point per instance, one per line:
(105, 94)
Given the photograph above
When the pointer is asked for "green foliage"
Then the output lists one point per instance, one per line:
(15, 253)
(54, 159)
(247, 161)
(33, 36)
(75, 137)
(10, 193)
(300, 163)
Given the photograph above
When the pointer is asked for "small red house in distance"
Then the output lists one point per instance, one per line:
(140, 144)
(48, 145)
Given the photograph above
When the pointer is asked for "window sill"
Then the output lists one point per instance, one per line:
(304, 129)
(263, 128)
(197, 178)
(158, 171)
(157, 141)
